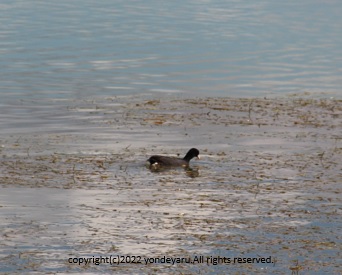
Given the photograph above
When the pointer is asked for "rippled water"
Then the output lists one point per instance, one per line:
(67, 49)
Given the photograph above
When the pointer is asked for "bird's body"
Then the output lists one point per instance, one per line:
(157, 161)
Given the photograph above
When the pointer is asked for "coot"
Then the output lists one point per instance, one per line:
(164, 162)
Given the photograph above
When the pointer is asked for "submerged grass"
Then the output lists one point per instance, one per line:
(268, 184)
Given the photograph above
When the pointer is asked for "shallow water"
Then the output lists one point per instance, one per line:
(268, 184)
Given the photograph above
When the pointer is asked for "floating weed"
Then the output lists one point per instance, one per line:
(260, 191)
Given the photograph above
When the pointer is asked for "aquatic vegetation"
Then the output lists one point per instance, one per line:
(268, 183)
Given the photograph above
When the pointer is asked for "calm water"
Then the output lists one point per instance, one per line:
(73, 49)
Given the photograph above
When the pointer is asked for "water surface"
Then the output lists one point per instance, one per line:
(229, 48)
(268, 184)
